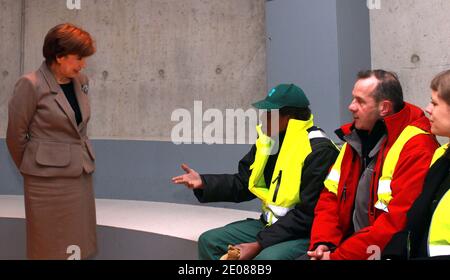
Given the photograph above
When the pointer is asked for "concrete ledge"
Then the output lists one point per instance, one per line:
(129, 229)
(177, 220)
(113, 244)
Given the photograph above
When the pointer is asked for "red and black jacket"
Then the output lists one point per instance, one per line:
(333, 214)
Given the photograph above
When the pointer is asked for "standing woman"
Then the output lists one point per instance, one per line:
(46, 137)
(427, 233)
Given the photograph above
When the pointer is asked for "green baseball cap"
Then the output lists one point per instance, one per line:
(283, 95)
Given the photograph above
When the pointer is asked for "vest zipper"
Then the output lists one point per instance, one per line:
(278, 180)
(372, 194)
(375, 179)
(344, 193)
(344, 190)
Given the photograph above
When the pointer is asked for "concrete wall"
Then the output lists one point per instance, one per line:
(353, 30)
(141, 170)
(153, 57)
(319, 45)
(10, 48)
(302, 49)
(412, 38)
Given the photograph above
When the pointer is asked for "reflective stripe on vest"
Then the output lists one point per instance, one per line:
(439, 235)
(332, 180)
(384, 185)
(390, 162)
(438, 153)
(284, 191)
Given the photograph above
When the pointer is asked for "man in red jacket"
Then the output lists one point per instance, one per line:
(378, 174)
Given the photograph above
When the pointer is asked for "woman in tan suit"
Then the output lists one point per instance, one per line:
(46, 137)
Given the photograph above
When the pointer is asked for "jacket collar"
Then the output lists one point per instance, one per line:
(60, 98)
(50, 79)
(364, 144)
(300, 125)
(409, 115)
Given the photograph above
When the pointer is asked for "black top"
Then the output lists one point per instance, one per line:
(272, 160)
(369, 140)
(69, 92)
(412, 242)
(297, 222)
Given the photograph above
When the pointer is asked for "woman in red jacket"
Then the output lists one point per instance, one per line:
(427, 233)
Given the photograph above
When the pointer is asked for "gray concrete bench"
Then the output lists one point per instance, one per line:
(129, 229)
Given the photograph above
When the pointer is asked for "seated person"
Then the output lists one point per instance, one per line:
(287, 181)
(427, 233)
(377, 175)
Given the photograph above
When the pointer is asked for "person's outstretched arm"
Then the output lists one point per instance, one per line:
(220, 187)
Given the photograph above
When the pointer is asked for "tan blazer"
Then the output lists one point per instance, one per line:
(42, 136)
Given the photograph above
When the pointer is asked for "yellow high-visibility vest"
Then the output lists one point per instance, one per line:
(284, 191)
(439, 153)
(384, 184)
(439, 234)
